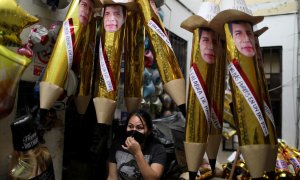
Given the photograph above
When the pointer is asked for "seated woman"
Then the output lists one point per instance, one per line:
(140, 156)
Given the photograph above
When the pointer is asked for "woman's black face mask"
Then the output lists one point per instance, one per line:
(139, 137)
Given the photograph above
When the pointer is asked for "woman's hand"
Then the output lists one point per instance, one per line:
(132, 146)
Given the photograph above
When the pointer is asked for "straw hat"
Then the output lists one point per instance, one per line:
(129, 4)
(233, 10)
(206, 12)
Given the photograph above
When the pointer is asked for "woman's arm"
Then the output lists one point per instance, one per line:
(112, 171)
(153, 171)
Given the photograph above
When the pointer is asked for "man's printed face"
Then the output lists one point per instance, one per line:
(208, 45)
(113, 18)
(243, 37)
(85, 11)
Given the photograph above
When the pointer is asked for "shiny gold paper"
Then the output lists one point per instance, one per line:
(105, 101)
(227, 113)
(250, 131)
(228, 131)
(57, 68)
(265, 92)
(134, 60)
(12, 66)
(282, 170)
(84, 67)
(84, 59)
(197, 126)
(164, 55)
(290, 157)
(217, 91)
(12, 22)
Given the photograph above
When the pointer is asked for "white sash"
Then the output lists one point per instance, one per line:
(269, 113)
(157, 29)
(69, 42)
(104, 70)
(245, 90)
(199, 90)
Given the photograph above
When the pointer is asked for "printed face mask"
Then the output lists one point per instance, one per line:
(139, 137)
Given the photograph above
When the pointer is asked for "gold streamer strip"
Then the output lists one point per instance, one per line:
(264, 89)
(218, 90)
(134, 55)
(86, 61)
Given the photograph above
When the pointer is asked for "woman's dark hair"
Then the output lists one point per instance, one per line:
(143, 115)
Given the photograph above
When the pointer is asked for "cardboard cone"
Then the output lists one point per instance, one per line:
(256, 157)
(81, 103)
(176, 89)
(213, 145)
(132, 103)
(212, 149)
(49, 93)
(105, 109)
(194, 153)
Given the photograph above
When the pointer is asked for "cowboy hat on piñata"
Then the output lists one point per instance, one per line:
(129, 4)
(206, 12)
(233, 10)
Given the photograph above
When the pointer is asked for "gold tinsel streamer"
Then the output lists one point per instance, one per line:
(134, 55)
(86, 61)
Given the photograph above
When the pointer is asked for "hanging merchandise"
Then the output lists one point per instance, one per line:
(171, 75)
(42, 41)
(109, 61)
(12, 66)
(12, 22)
(30, 160)
(204, 56)
(73, 31)
(83, 67)
(273, 148)
(253, 131)
(149, 60)
(149, 87)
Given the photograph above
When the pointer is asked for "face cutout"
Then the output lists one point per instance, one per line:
(114, 17)
(208, 46)
(85, 11)
(243, 37)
